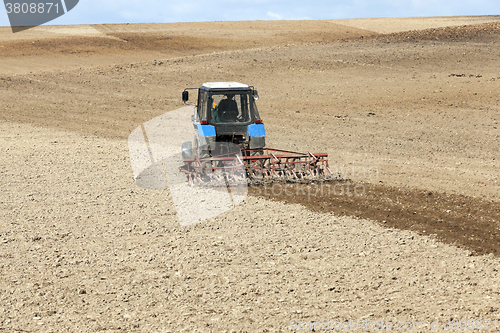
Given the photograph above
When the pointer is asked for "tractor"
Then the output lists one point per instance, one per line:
(229, 141)
(225, 112)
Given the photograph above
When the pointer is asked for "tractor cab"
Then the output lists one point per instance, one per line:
(226, 112)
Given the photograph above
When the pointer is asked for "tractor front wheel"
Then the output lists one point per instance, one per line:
(187, 150)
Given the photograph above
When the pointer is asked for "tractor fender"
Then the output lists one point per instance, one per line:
(257, 136)
(206, 136)
(256, 130)
(206, 130)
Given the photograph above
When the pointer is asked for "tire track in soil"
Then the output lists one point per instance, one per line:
(466, 222)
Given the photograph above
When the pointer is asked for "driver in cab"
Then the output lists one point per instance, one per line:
(227, 111)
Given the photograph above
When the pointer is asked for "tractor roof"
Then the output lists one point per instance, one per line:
(224, 85)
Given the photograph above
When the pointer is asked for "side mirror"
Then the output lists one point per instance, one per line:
(185, 96)
(255, 95)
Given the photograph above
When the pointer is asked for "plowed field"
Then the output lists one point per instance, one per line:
(407, 109)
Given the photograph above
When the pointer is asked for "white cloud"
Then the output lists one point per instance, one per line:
(274, 16)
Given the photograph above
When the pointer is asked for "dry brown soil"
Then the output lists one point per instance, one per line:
(407, 109)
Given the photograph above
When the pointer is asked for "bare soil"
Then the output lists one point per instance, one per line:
(470, 223)
(407, 110)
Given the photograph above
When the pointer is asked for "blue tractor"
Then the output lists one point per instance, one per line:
(225, 112)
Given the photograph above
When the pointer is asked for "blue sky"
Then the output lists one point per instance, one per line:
(159, 11)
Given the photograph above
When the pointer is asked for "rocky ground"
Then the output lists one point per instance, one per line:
(407, 110)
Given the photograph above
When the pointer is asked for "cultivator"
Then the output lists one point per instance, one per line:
(257, 167)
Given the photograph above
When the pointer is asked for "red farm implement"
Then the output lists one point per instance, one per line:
(258, 166)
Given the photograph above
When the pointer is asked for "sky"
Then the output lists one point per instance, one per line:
(163, 11)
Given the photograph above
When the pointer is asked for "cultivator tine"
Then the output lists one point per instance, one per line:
(259, 166)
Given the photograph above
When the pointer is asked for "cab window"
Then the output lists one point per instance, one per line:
(229, 108)
(202, 107)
